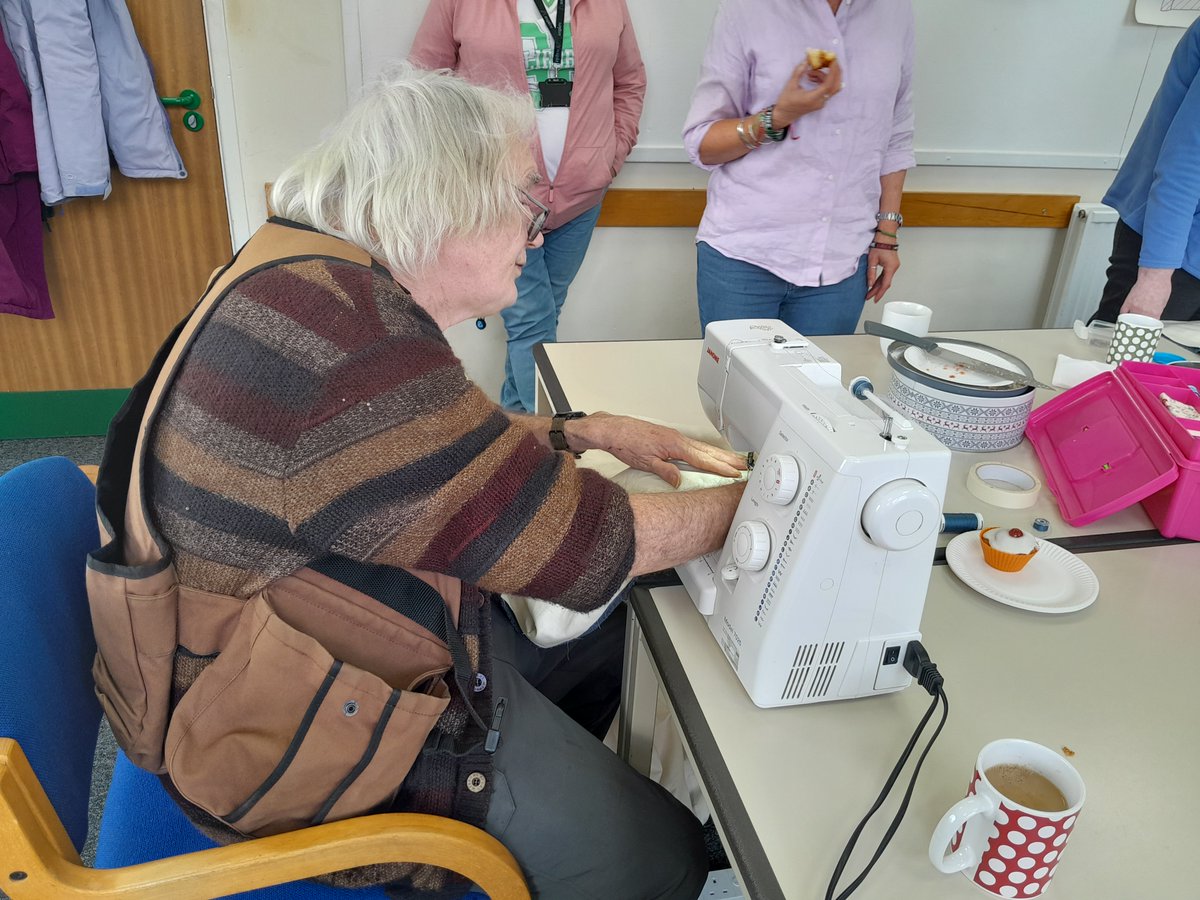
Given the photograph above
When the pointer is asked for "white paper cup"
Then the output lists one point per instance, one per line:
(911, 317)
(1135, 338)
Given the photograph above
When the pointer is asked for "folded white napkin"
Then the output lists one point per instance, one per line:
(1069, 371)
(548, 624)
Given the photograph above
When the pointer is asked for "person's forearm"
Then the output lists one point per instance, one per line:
(670, 529)
(891, 189)
(539, 426)
(722, 143)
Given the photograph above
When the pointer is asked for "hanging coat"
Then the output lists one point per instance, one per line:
(92, 91)
(23, 287)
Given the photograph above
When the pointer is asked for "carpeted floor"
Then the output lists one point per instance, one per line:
(83, 451)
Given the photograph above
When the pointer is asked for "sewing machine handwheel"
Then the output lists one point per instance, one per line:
(901, 514)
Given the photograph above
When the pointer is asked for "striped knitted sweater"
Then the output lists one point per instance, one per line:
(320, 410)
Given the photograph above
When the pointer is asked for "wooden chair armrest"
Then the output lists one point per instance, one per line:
(39, 862)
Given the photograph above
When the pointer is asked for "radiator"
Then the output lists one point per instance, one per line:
(1079, 281)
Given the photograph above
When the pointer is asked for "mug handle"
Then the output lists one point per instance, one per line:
(965, 856)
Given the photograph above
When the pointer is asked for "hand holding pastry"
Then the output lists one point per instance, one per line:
(796, 101)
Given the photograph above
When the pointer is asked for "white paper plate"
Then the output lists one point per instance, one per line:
(1184, 332)
(1054, 581)
(959, 374)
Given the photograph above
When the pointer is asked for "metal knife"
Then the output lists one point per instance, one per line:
(968, 362)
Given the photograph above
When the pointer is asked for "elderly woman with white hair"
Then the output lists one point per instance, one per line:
(314, 466)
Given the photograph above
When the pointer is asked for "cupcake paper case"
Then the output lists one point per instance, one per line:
(1013, 559)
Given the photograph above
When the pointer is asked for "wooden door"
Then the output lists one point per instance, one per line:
(123, 271)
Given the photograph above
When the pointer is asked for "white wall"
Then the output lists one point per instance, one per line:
(287, 80)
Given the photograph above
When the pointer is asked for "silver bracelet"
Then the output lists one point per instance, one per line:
(747, 139)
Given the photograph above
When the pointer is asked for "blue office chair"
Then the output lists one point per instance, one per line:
(49, 719)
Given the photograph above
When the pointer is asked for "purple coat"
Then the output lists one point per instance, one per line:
(23, 288)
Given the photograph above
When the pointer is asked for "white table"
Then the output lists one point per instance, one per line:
(657, 380)
(788, 785)
(1112, 683)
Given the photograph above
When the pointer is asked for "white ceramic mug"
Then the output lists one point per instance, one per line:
(911, 317)
(1008, 849)
(1135, 338)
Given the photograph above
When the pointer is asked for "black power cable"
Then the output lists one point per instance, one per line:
(918, 664)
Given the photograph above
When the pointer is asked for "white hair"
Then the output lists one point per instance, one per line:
(421, 157)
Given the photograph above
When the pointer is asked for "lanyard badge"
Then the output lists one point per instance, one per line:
(556, 92)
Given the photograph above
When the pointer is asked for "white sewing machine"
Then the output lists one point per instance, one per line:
(822, 579)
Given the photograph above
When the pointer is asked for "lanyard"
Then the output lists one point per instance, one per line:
(556, 28)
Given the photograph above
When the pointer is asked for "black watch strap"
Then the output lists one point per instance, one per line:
(558, 438)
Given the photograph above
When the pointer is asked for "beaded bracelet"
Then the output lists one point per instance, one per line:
(766, 117)
(875, 245)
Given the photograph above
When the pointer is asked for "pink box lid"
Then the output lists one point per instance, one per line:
(1099, 449)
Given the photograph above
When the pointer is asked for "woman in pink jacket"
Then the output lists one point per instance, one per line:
(579, 62)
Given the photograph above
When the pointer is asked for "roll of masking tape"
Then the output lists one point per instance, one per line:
(1003, 485)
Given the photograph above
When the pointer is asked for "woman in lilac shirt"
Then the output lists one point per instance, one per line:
(803, 211)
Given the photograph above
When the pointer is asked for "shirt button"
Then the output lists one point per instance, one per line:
(824, 218)
(476, 782)
(829, 178)
(836, 41)
(837, 131)
(480, 682)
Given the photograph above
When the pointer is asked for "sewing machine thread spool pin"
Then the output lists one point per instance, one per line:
(861, 387)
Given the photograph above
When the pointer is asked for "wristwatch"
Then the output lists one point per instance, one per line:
(890, 217)
(558, 438)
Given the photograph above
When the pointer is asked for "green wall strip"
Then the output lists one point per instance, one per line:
(44, 414)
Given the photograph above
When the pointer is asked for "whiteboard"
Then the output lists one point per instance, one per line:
(1030, 83)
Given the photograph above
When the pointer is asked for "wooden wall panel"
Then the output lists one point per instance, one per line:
(682, 208)
(123, 271)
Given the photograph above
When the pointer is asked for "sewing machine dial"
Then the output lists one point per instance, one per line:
(780, 478)
(751, 545)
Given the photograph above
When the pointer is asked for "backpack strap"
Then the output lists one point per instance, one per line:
(121, 507)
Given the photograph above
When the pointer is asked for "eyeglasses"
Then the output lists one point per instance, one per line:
(539, 212)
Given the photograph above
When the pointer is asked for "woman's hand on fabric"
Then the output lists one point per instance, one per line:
(1150, 293)
(650, 447)
(881, 269)
(796, 100)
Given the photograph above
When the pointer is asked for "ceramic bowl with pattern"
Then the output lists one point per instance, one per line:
(964, 409)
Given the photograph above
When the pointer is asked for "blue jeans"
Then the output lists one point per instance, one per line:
(541, 291)
(732, 289)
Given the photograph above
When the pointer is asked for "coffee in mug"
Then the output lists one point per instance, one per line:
(1010, 832)
(1027, 787)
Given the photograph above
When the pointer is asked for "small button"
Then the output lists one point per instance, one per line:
(476, 782)
(480, 682)
(824, 218)
(837, 131)
(836, 41)
(891, 656)
(829, 178)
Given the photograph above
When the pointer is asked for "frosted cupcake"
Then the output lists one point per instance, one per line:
(1007, 550)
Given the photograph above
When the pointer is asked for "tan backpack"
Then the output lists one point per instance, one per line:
(305, 703)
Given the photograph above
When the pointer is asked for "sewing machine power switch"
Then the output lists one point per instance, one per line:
(891, 656)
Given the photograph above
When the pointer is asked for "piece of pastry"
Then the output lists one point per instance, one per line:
(819, 59)
(1007, 549)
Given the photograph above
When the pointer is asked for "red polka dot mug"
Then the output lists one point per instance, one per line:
(1010, 831)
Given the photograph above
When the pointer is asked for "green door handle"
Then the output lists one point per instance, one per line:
(188, 99)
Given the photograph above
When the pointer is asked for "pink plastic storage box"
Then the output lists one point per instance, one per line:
(1110, 442)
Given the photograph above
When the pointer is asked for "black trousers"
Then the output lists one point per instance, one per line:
(1184, 303)
(582, 824)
